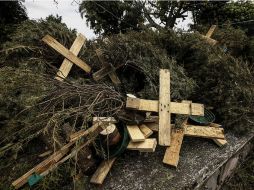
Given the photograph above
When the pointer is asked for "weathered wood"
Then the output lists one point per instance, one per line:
(135, 133)
(104, 120)
(145, 130)
(93, 130)
(219, 142)
(66, 53)
(164, 109)
(102, 171)
(171, 156)
(43, 166)
(210, 31)
(175, 107)
(153, 126)
(210, 40)
(204, 132)
(148, 145)
(67, 65)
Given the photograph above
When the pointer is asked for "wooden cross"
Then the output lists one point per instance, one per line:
(107, 69)
(70, 55)
(165, 107)
(209, 34)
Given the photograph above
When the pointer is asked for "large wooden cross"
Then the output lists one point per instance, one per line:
(165, 107)
(70, 55)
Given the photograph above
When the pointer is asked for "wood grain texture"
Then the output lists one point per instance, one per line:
(67, 65)
(175, 107)
(148, 145)
(210, 31)
(66, 53)
(171, 156)
(205, 132)
(219, 142)
(104, 120)
(102, 171)
(153, 126)
(164, 108)
(135, 133)
(147, 132)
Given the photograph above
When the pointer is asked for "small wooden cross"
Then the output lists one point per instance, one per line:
(107, 69)
(165, 107)
(70, 55)
(209, 34)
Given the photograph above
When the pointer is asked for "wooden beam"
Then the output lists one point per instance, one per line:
(43, 166)
(219, 142)
(210, 31)
(147, 132)
(164, 109)
(102, 171)
(104, 120)
(135, 134)
(93, 130)
(210, 40)
(66, 53)
(67, 65)
(153, 126)
(171, 156)
(204, 132)
(148, 145)
(175, 107)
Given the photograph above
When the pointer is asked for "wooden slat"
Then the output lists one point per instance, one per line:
(93, 130)
(153, 126)
(175, 107)
(210, 31)
(135, 133)
(147, 132)
(66, 53)
(67, 65)
(219, 142)
(148, 145)
(102, 171)
(164, 108)
(43, 166)
(210, 40)
(104, 120)
(171, 156)
(204, 132)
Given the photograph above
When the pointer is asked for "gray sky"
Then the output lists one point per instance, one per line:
(68, 9)
(37, 9)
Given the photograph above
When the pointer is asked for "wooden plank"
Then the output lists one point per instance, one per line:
(135, 133)
(101, 73)
(153, 126)
(171, 156)
(164, 109)
(219, 142)
(210, 31)
(66, 53)
(210, 40)
(104, 120)
(175, 107)
(147, 132)
(102, 171)
(93, 130)
(43, 166)
(148, 145)
(204, 132)
(67, 65)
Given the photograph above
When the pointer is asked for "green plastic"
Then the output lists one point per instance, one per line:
(203, 120)
(33, 179)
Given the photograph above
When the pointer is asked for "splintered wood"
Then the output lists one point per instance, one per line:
(171, 156)
(148, 145)
(135, 133)
(164, 108)
(219, 142)
(67, 65)
(102, 171)
(66, 53)
(175, 107)
(205, 132)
